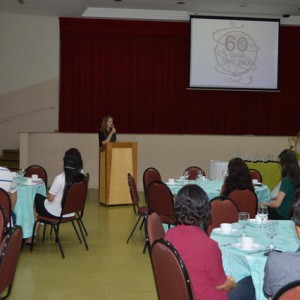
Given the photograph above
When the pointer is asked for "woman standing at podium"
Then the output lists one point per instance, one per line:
(107, 133)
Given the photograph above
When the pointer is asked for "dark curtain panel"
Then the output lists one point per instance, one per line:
(137, 71)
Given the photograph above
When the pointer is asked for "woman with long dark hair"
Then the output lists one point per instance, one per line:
(107, 133)
(238, 177)
(280, 208)
(202, 255)
(52, 205)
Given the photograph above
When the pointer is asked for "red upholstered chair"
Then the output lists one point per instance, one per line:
(255, 174)
(10, 248)
(5, 203)
(74, 203)
(160, 200)
(170, 274)
(193, 172)
(3, 223)
(39, 170)
(223, 210)
(151, 174)
(139, 211)
(290, 291)
(245, 200)
(154, 229)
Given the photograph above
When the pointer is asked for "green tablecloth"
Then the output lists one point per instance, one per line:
(270, 171)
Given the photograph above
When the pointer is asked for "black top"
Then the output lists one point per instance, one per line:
(103, 136)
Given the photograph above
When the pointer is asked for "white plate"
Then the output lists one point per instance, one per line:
(219, 231)
(254, 248)
(37, 180)
(170, 183)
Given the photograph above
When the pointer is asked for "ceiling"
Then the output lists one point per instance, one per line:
(73, 8)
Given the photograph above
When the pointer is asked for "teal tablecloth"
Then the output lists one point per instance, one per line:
(213, 189)
(24, 208)
(239, 263)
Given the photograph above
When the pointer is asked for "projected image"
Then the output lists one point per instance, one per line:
(236, 53)
(231, 53)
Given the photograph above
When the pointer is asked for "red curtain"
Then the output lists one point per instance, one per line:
(137, 71)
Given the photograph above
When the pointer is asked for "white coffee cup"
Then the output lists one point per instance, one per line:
(171, 180)
(247, 242)
(226, 227)
(29, 181)
(257, 219)
(254, 181)
(203, 177)
(34, 177)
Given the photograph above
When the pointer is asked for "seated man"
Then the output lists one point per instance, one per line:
(282, 268)
(8, 184)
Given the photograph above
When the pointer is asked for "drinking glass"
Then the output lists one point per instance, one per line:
(200, 175)
(243, 220)
(271, 228)
(224, 173)
(262, 212)
(186, 175)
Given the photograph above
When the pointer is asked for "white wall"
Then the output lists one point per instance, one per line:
(170, 154)
(29, 60)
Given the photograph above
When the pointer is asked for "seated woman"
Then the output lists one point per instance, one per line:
(202, 255)
(280, 208)
(238, 177)
(52, 205)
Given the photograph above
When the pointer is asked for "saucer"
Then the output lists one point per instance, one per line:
(219, 231)
(254, 247)
(37, 180)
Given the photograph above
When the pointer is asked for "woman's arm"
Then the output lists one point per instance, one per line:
(107, 140)
(277, 202)
(50, 197)
(229, 284)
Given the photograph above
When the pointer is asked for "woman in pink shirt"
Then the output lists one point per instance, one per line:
(202, 255)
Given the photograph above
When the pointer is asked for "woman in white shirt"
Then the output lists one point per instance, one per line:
(52, 205)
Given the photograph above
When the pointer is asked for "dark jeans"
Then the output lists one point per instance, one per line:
(243, 291)
(40, 207)
(273, 215)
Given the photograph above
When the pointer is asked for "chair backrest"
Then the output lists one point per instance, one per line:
(5, 203)
(223, 210)
(193, 172)
(255, 174)
(151, 174)
(39, 170)
(245, 200)
(10, 250)
(290, 291)
(170, 274)
(153, 228)
(133, 193)
(160, 200)
(3, 223)
(75, 198)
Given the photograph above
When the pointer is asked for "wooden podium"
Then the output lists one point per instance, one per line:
(116, 160)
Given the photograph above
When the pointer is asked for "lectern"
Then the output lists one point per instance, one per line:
(116, 160)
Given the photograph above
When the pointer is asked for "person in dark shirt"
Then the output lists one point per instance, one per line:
(238, 177)
(107, 133)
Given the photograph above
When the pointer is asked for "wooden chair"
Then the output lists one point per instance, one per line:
(255, 174)
(151, 174)
(170, 274)
(5, 203)
(160, 200)
(223, 210)
(290, 291)
(245, 200)
(10, 250)
(74, 204)
(154, 229)
(139, 211)
(193, 172)
(39, 170)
